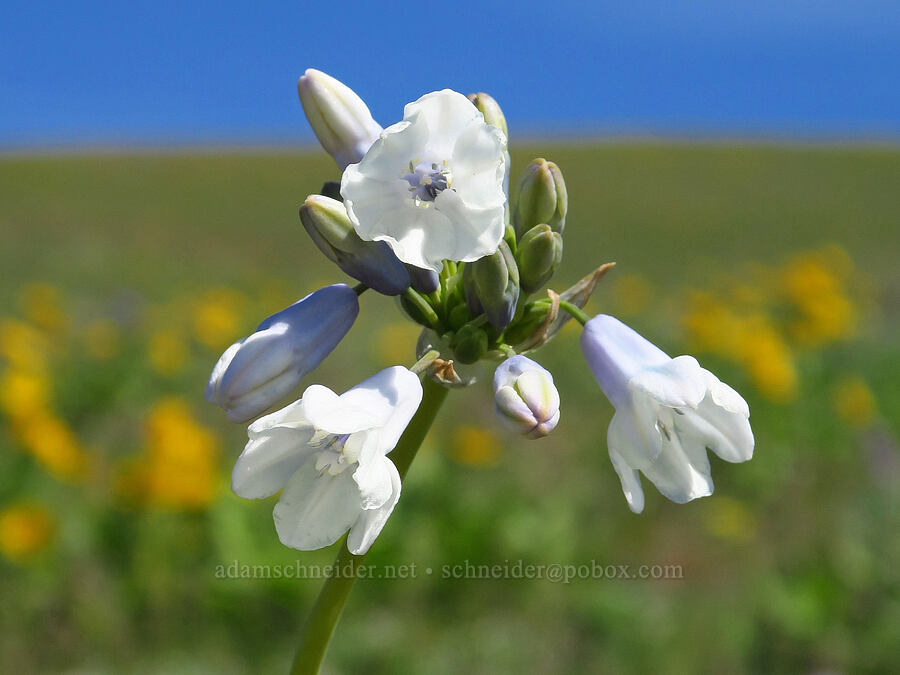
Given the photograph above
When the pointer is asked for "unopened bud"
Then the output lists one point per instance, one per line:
(525, 397)
(371, 262)
(541, 198)
(489, 107)
(339, 117)
(492, 286)
(423, 280)
(256, 372)
(539, 255)
(469, 344)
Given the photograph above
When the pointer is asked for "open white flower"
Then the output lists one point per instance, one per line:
(327, 453)
(432, 186)
(668, 411)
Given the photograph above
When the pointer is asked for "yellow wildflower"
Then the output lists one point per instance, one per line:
(168, 351)
(854, 402)
(53, 444)
(22, 345)
(767, 358)
(42, 306)
(25, 531)
(23, 393)
(179, 465)
(217, 318)
(813, 285)
(475, 446)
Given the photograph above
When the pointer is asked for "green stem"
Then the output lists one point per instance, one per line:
(319, 625)
(575, 311)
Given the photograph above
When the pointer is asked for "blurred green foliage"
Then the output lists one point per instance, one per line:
(131, 273)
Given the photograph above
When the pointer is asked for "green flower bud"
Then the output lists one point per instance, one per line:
(492, 286)
(469, 344)
(539, 255)
(541, 198)
(372, 263)
(491, 111)
(459, 316)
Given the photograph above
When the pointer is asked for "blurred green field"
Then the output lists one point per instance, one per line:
(128, 274)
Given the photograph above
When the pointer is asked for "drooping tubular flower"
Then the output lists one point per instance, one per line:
(668, 412)
(328, 455)
(432, 185)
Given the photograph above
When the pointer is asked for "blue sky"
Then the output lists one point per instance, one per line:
(121, 73)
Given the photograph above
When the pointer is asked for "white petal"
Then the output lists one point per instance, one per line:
(397, 392)
(291, 417)
(726, 397)
(633, 434)
(370, 522)
(269, 460)
(373, 478)
(681, 470)
(478, 230)
(726, 433)
(631, 482)
(447, 114)
(337, 414)
(538, 391)
(677, 383)
(477, 176)
(316, 508)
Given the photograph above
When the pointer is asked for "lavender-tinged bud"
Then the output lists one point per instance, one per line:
(423, 280)
(541, 198)
(525, 397)
(492, 286)
(256, 372)
(371, 262)
(339, 117)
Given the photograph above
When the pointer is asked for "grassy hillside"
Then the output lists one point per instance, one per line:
(123, 278)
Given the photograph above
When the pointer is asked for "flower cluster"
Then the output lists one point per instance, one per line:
(423, 211)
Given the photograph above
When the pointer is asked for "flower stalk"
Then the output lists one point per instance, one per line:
(322, 619)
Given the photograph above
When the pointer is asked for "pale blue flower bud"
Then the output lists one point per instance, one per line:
(340, 118)
(256, 372)
(423, 280)
(371, 262)
(492, 286)
(525, 397)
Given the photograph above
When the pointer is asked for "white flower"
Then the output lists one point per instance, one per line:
(432, 186)
(340, 118)
(668, 411)
(327, 453)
